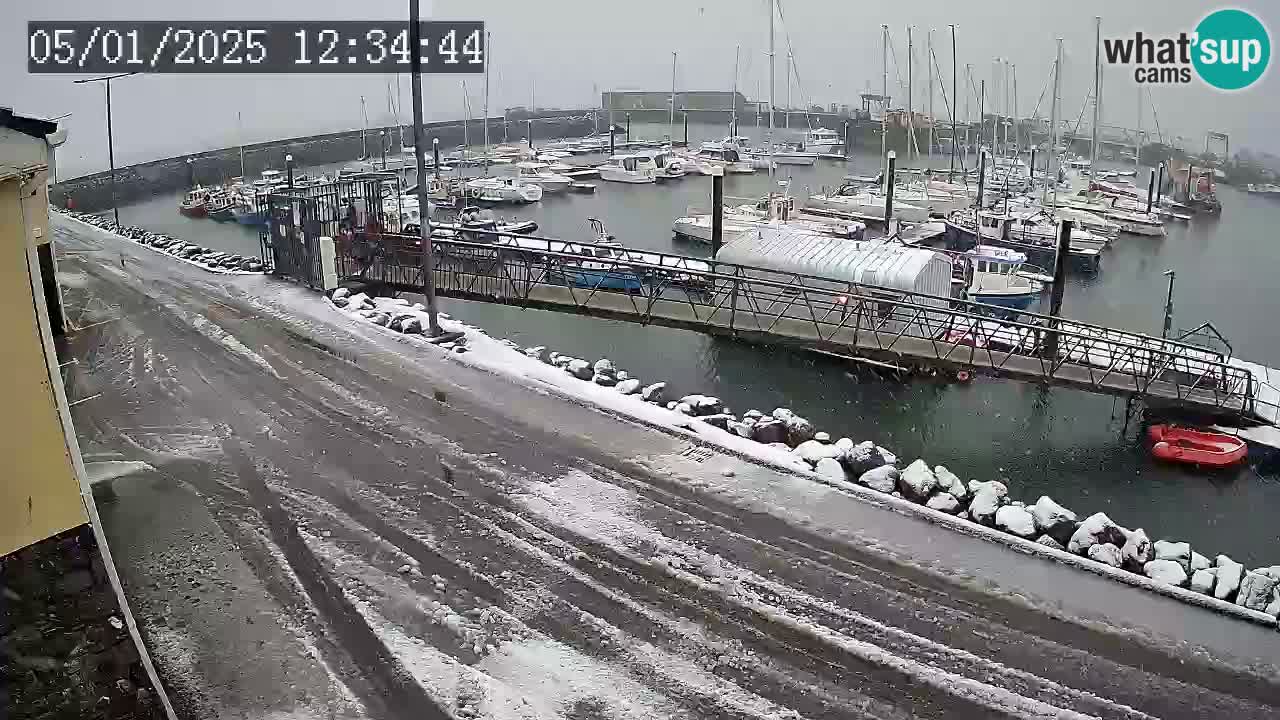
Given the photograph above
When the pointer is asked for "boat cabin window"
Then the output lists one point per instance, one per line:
(629, 164)
(660, 160)
(731, 155)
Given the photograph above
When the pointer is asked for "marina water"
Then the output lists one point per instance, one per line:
(1060, 442)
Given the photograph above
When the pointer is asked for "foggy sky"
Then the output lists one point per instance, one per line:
(563, 52)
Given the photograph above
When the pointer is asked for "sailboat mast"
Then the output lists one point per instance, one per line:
(790, 66)
(364, 130)
(671, 121)
(1097, 96)
(884, 94)
(954, 99)
(487, 50)
(466, 120)
(929, 62)
(1017, 124)
(995, 109)
(1053, 124)
(968, 116)
(1137, 140)
(772, 75)
(911, 122)
(733, 120)
(240, 132)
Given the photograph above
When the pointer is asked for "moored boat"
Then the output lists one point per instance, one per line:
(195, 203)
(1196, 447)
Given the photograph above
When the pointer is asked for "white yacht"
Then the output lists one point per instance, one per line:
(860, 201)
(776, 211)
(503, 190)
(1137, 222)
(668, 166)
(634, 169)
(540, 174)
(822, 140)
(712, 155)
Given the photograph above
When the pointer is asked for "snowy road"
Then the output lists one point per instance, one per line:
(317, 521)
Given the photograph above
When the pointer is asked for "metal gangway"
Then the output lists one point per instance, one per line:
(605, 280)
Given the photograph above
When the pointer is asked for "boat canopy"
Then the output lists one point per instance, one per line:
(884, 265)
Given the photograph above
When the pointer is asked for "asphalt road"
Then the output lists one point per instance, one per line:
(313, 520)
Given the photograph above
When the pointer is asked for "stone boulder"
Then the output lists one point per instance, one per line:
(719, 420)
(381, 319)
(1137, 550)
(1016, 521)
(604, 380)
(822, 437)
(1256, 590)
(861, 457)
(741, 429)
(580, 369)
(622, 375)
(950, 483)
(987, 498)
(798, 430)
(811, 451)
(604, 366)
(883, 478)
(653, 393)
(944, 502)
(917, 482)
(1097, 528)
(1048, 541)
(769, 431)
(539, 353)
(1179, 552)
(628, 387)
(558, 360)
(1106, 553)
(844, 444)
(1230, 573)
(1168, 572)
(412, 326)
(1202, 581)
(1053, 520)
(1199, 562)
(683, 409)
(340, 293)
(702, 404)
(830, 469)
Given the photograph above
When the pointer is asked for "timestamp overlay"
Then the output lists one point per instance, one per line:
(358, 46)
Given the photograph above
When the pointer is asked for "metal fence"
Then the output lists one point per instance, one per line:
(649, 287)
(297, 217)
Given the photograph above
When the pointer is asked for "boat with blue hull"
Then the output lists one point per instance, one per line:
(1001, 277)
(964, 232)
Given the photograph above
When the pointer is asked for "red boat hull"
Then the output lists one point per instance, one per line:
(193, 210)
(1196, 447)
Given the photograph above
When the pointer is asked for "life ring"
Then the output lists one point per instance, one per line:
(964, 376)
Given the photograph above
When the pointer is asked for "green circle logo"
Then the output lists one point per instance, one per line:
(1232, 49)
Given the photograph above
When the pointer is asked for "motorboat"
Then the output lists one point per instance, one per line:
(775, 211)
(540, 173)
(1196, 447)
(712, 155)
(784, 154)
(503, 190)
(221, 206)
(1138, 223)
(1000, 276)
(668, 166)
(1034, 235)
(635, 169)
(602, 265)
(195, 203)
(856, 199)
(823, 141)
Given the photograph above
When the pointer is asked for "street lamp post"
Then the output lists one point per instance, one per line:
(111, 153)
(424, 223)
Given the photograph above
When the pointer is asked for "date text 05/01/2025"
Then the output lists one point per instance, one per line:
(252, 47)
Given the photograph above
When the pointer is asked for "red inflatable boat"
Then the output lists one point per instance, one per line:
(1196, 447)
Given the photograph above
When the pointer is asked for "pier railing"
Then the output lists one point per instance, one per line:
(896, 326)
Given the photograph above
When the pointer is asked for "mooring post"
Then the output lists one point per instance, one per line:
(888, 191)
(1168, 305)
(1191, 171)
(288, 166)
(1151, 189)
(1160, 179)
(612, 152)
(1033, 168)
(382, 142)
(1061, 259)
(717, 210)
(848, 141)
(982, 178)
(419, 156)
(628, 128)
(686, 128)
(530, 134)
(435, 155)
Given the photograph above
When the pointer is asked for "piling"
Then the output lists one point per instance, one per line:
(847, 140)
(382, 142)
(288, 165)
(435, 155)
(530, 134)
(628, 128)
(982, 179)
(1033, 165)
(1160, 179)
(1061, 259)
(888, 190)
(717, 211)
(1151, 189)
(686, 128)
(1191, 171)
(611, 134)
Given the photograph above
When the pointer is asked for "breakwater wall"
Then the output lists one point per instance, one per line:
(91, 193)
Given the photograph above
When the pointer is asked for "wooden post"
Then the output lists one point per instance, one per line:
(435, 155)
(628, 128)
(686, 128)
(531, 135)
(717, 211)
(288, 165)
(888, 190)
(1160, 179)
(611, 133)
(1151, 189)
(1059, 286)
(982, 178)
(847, 139)
(1033, 166)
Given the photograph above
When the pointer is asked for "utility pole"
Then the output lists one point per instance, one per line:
(954, 100)
(487, 46)
(424, 225)
(111, 152)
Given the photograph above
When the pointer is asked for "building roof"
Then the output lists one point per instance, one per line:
(34, 127)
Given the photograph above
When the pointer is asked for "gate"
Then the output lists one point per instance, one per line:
(297, 217)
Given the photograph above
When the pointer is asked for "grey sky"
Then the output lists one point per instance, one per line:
(559, 50)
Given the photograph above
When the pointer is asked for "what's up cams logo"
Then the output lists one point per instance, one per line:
(1229, 50)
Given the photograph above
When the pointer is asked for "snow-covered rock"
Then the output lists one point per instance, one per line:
(1202, 581)
(741, 429)
(1179, 552)
(752, 415)
(1097, 528)
(604, 366)
(1198, 561)
(844, 443)
(380, 319)
(341, 292)
(1106, 553)
(811, 451)
(1230, 573)
(604, 380)
(862, 457)
(798, 430)
(1016, 521)
(1168, 572)
(822, 437)
(684, 409)
(830, 469)
(359, 301)
(580, 369)
(1137, 550)
(944, 502)
(782, 414)
(622, 375)
(1256, 590)
(917, 482)
(702, 404)
(883, 478)
(653, 393)
(412, 326)
(629, 386)
(719, 420)
(1048, 541)
(987, 498)
(561, 361)
(950, 483)
(1052, 519)
(769, 431)
(539, 352)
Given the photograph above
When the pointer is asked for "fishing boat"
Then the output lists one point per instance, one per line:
(603, 265)
(1000, 276)
(503, 190)
(539, 173)
(195, 203)
(635, 169)
(221, 206)
(1034, 235)
(823, 141)
(1196, 447)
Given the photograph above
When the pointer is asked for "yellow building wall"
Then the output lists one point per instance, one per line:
(39, 491)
